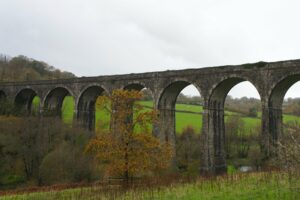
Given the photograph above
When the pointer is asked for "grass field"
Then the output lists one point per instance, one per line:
(255, 186)
(184, 117)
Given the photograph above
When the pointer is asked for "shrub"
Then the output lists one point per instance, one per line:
(65, 164)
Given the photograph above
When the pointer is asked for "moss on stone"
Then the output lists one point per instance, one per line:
(253, 65)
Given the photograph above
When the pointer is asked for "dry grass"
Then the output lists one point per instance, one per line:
(273, 185)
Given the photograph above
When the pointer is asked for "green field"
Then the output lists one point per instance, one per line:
(256, 186)
(184, 117)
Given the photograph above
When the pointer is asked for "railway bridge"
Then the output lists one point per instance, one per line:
(271, 79)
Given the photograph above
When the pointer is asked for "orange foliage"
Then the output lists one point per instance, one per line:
(125, 150)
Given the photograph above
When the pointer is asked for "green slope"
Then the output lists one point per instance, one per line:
(248, 186)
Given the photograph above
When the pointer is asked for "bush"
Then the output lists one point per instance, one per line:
(288, 149)
(188, 151)
(252, 112)
(11, 180)
(65, 164)
(28, 145)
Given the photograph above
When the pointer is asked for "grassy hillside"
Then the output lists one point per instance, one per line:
(256, 186)
(191, 115)
(185, 115)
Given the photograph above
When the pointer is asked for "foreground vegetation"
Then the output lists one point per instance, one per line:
(239, 186)
(41, 151)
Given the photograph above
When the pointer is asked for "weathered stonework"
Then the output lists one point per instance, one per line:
(271, 80)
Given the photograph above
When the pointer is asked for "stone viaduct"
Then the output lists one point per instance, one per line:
(271, 80)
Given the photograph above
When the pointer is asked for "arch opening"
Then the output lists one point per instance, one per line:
(232, 120)
(146, 101)
(188, 110)
(280, 90)
(180, 113)
(24, 102)
(285, 106)
(280, 106)
(167, 105)
(35, 108)
(88, 113)
(243, 122)
(59, 102)
(147, 93)
(3, 103)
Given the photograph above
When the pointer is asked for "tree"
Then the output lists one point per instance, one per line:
(188, 150)
(252, 112)
(21, 68)
(293, 107)
(236, 139)
(288, 151)
(42, 151)
(128, 149)
(65, 164)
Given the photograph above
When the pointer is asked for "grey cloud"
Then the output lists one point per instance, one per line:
(92, 37)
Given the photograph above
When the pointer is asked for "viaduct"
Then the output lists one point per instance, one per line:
(272, 80)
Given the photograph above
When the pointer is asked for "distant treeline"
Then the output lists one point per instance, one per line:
(292, 106)
(247, 106)
(21, 68)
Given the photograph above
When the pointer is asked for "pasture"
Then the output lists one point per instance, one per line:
(186, 115)
(254, 186)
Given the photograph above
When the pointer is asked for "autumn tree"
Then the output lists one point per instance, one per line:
(128, 148)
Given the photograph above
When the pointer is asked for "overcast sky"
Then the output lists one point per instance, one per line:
(101, 37)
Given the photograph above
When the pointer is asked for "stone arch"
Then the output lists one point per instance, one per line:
(279, 89)
(176, 86)
(53, 101)
(138, 87)
(215, 119)
(166, 107)
(221, 88)
(135, 86)
(86, 105)
(276, 97)
(23, 100)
